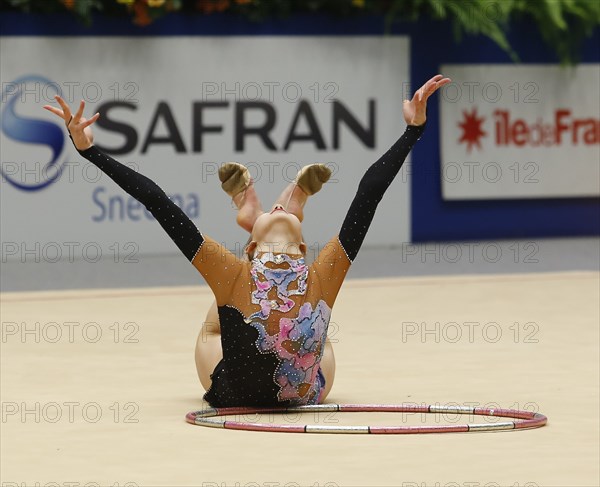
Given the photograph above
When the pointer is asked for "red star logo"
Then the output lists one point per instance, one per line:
(471, 126)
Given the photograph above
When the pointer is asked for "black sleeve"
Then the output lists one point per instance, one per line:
(176, 223)
(372, 188)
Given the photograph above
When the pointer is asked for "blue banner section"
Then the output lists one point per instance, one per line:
(434, 219)
(432, 44)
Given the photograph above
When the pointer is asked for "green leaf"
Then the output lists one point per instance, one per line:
(554, 9)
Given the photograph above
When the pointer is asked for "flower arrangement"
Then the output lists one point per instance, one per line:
(563, 24)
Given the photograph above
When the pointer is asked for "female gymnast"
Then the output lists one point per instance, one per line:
(273, 308)
(238, 184)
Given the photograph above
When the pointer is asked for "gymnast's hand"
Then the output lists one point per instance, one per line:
(415, 109)
(78, 127)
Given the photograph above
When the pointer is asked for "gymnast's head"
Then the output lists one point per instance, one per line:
(276, 231)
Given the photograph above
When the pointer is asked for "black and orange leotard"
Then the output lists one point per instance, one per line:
(274, 311)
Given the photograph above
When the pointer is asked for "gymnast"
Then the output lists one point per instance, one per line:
(273, 308)
(238, 184)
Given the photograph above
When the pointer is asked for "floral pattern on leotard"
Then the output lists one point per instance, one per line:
(280, 278)
(299, 342)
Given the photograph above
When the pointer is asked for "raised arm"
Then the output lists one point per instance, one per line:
(380, 175)
(337, 256)
(213, 261)
(371, 189)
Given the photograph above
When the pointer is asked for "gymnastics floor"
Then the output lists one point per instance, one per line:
(95, 386)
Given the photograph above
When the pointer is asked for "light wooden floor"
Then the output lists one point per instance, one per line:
(389, 349)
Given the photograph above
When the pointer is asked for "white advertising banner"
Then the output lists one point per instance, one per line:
(175, 108)
(524, 131)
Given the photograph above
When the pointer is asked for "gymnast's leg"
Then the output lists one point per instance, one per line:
(249, 207)
(293, 199)
(237, 183)
(209, 351)
(309, 181)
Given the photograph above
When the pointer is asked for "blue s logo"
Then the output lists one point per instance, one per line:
(32, 131)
